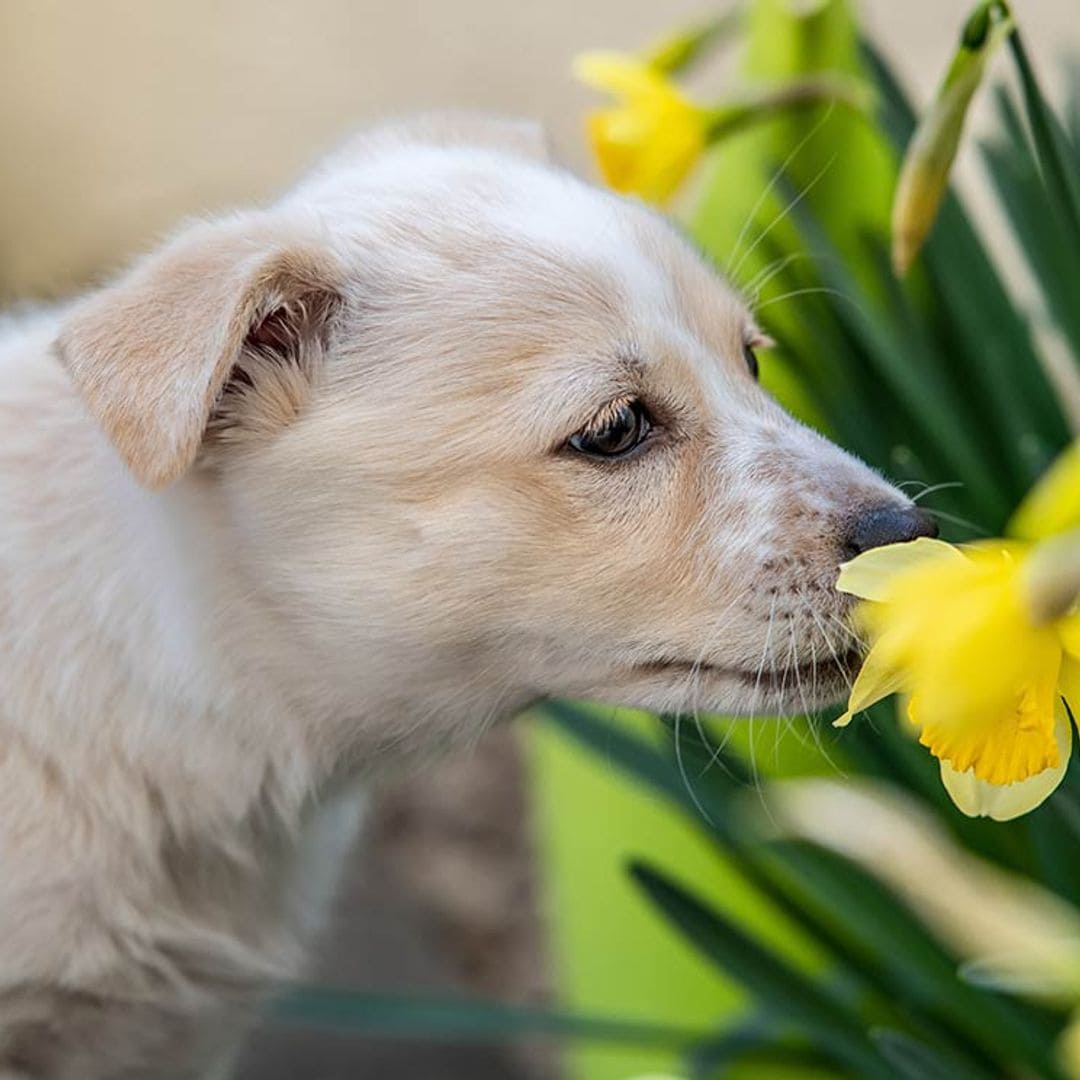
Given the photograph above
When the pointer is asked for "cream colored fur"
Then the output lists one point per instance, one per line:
(291, 504)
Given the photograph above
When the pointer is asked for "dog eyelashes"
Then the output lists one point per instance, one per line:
(616, 431)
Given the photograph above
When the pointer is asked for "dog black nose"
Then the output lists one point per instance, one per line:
(889, 524)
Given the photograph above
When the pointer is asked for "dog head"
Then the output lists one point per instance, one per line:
(479, 433)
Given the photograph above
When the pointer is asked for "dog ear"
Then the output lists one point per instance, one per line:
(152, 353)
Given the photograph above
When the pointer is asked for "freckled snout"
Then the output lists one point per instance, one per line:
(877, 526)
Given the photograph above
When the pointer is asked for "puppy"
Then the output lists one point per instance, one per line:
(318, 489)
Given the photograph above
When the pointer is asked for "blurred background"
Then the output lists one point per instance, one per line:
(493, 873)
(119, 119)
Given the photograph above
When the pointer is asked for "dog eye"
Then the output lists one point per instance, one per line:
(615, 431)
(751, 360)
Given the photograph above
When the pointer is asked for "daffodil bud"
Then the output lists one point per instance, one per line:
(924, 174)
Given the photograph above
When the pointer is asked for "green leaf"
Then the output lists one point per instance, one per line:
(1048, 243)
(908, 964)
(760, 1041)
(364, 1013)
(635, 756)
(914, 1060)
(985, 335)
(1049, 148)
(780, 989)
(939, 423)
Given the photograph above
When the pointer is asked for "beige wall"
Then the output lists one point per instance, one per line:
(119, 116)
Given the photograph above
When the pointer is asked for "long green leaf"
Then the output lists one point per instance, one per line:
(780, 989)
(1060, 185)
(450, 1018)
(756, 1041)
(889, 940)
(914, 1060)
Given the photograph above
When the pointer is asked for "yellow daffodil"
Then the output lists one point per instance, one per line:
(1053, 505)
(652, 137)
(984, 643)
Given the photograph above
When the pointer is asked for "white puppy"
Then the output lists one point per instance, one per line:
(326, 486)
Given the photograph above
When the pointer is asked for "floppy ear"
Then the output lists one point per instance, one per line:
(151, 354)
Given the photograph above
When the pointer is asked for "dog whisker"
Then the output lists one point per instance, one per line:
(955, 519)
(807, 188)
(763, 277)
(945, 486)
(809, 290)
(685, 776)
(768, 190)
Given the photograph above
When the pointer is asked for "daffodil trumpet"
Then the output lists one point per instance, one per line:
(983, 644)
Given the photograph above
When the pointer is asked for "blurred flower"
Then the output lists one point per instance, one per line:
(924, 174)
(984, 642)
(649, 139)
(652, 137)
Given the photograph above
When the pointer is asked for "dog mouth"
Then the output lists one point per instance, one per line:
(817, 681)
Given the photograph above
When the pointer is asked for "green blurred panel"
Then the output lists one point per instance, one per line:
(612, 954)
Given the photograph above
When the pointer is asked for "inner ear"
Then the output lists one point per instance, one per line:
(283, 329)
(271, 380)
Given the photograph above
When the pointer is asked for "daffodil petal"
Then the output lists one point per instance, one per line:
(877, 679)
(1003, 802)
(651, 136)
(615, 73)
(1053, 505)
(869, 575)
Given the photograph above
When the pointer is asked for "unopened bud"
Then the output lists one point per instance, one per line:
(924, 174)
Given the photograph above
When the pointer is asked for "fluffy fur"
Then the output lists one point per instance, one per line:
(291, 503)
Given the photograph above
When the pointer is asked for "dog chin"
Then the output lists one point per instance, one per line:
(679, 687)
